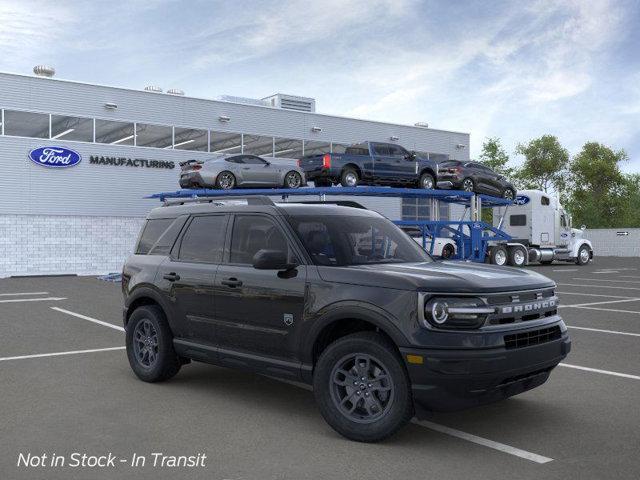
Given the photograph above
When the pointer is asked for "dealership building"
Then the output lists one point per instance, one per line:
(84, 218)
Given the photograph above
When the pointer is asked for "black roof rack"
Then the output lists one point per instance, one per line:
(222, 200)
(340, 203)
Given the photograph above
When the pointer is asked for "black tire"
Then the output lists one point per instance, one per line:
(167, 363)
(517, 257)
(468, 185)
(427, 182)
(393, 406)
(221, 180)
(322, 182)
(584, 255)
(498, 256)
(349, 177)
(448, 251)
(546, 262)
(509, 194)
(292, 180)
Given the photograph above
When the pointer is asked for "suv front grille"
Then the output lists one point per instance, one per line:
(515, 307)
(534, 337)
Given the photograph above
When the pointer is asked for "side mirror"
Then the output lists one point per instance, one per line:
(410, 156)
(272, 260)
(267, 163)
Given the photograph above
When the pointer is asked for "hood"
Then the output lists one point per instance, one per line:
(443, 276)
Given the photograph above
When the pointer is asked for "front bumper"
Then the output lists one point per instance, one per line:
(450, 380)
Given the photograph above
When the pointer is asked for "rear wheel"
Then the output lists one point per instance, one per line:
(499, 255)
(468, 185)
(362, 387)
(448, 251)
(292, 179)
(517, 257)
(349, 178)
(149, 344)
(427, 181)
(225, 180)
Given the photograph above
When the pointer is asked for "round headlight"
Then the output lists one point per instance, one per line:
(439, 312)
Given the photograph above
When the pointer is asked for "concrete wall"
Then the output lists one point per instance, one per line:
(609, 243)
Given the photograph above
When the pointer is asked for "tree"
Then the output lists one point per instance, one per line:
(495, 157)
(599, 192)
(545, 164)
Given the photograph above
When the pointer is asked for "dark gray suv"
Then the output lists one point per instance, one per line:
(339, 298)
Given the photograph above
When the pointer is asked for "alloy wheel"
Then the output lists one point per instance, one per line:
(467, 185)
(351, 179)
(508, 194)
(427, 182)
(361, 388)
(145, 343)
(293, 180)
(226, 181)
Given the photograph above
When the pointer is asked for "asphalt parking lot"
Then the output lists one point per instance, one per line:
(67, 387)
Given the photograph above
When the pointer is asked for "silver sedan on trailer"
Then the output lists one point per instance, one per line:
(241, 170)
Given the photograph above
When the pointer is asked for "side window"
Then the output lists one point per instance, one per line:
(517, 220)
(396, 151)
(544, 200)
(253, 160)
(204, 239)
(563, 221)
(381, 149)
(238, 159)
(167, 239)
(252, 233)
(151, 233)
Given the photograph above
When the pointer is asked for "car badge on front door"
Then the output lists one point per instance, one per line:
(288, 319)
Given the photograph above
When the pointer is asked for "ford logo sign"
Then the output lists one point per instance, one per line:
(521, 200)
(55, 157)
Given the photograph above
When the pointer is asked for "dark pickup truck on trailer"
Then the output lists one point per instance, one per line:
(371, 163)
(339, 298)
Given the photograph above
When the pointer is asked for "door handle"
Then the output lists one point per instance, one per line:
(172, 277)
(232, 282)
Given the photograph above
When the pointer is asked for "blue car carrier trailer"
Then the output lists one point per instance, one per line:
(475, 240)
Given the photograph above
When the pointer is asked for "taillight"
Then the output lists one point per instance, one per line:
(299, 163)
(196, 167)
(326, 160)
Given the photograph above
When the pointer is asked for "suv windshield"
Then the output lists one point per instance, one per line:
(343, 240)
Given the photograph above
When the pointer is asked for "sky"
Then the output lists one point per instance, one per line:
(514, 70)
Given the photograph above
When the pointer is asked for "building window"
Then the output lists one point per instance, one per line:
(71, 128)
(157, 136)
(419, 209)
(224, 142)
(190, 139)
(258, 145)
(26, 124)
(316, 148)
(287, 148)
(114, 133)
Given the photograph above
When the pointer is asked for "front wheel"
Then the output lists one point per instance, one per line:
(292, 180)
(508, 194)
(149, 345)
(584, 255)
(427, 182)
(362, 388)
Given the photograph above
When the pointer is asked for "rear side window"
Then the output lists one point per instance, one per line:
(517, 220)
(168, 238)
(357, 150)
(252, 233)
(204, 239)
(151, 233)
(544, 200)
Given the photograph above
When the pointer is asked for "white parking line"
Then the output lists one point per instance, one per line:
(596, 286)
(608, 310)
(22, 293)
(605, 280)
(599, 330)
(597, 370)
(89, 319)
(57, 354)
(592, 303)
(43, 299)
(534, 457)
(565, 270)
(592, 294)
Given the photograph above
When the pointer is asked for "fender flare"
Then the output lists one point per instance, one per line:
(356, 311)
(578, 245)
(144, 291)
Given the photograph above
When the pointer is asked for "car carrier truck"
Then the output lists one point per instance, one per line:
(540, 231)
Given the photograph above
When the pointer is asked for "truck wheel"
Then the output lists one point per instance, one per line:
(499, 255)
(149, 344)
(517, 257)
(448, 251)
(584, 255)
(362, 387)
(349, 178)
(427, 182)
(468, 185)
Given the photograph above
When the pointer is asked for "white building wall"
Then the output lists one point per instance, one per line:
(612, 242)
